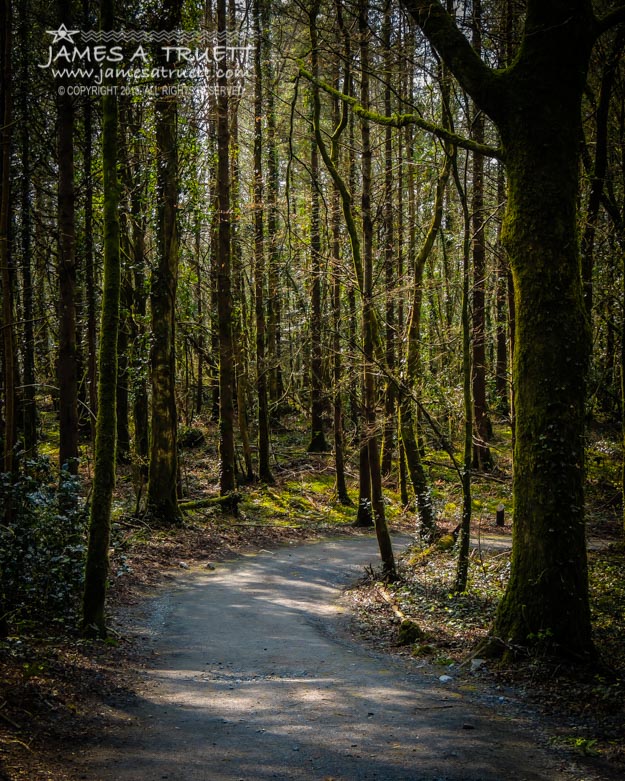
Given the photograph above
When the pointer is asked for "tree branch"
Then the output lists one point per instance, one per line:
(610, 20)
(401, 120)
(480, 81)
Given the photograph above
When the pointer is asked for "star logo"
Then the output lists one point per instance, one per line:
(63, 34)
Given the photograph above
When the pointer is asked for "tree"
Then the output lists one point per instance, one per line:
(535, 104)
(162, 494)
(67, 368)
(8, 324)
(264, 469)
(224, 279)
(482, 458)
(96, 572)
(318, 442)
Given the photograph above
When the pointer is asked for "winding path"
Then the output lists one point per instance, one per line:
(256, 678)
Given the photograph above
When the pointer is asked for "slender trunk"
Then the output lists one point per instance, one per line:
(318, 442)
(390, 393)
(8, 320)
(264, 470)
(224, 280)
(370, 334)
(482, 458)
(97, 566)
(67, 368)
(503, 269)
(337, 368)
(462, 569)
(162, 493)
(29, 416)
(240, 318)
(274, 301)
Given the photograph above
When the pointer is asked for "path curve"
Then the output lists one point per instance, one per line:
(255, 678)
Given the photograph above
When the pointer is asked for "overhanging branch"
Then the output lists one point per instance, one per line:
(401, 120)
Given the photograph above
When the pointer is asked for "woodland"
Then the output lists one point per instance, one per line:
(379, 243)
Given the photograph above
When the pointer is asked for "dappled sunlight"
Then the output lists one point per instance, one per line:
(255, 677)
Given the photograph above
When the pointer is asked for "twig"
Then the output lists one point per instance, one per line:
(8, 719)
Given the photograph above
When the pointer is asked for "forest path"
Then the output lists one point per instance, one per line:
(255, 677)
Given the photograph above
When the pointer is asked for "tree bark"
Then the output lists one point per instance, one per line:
(224, 281)
(318, 442)
(162, 493)
(264, 469)
(67, 368)
(482, 458)
(536, 104)
(8, 319)
(97, 565)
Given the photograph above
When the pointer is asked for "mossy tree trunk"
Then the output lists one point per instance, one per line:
(536, 105)
(97, 565)
(162, 493)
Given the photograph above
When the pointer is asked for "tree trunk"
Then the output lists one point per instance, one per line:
(8, 319)
(29, 407)
(318, 442)
(224, 281)
(162, 494)
(97, 566)
(67, 368)
(369, 324)
(536, 104)
(264, 470)
(390, 392)
(482, 459)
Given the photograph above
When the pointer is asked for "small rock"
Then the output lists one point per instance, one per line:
(445, 678)
(210, 566)
(468, 726)
(183, 565)
(477, 664)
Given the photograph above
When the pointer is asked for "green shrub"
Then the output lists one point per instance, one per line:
(42, 543)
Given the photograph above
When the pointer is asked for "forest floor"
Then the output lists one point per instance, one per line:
(55, 687)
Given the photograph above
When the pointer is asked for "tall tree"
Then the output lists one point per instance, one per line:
(390, 252)
(67, 367)
(8, 319)
(29, 407)
(536, 105)
(264, 469)
(227, 480)
(97, 565)
(162, 494)
(318, 442)
(482, 458)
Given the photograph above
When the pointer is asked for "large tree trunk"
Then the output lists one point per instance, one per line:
(536, 104)
(548, 589)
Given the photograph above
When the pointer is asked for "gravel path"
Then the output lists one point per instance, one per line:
(256, 678)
